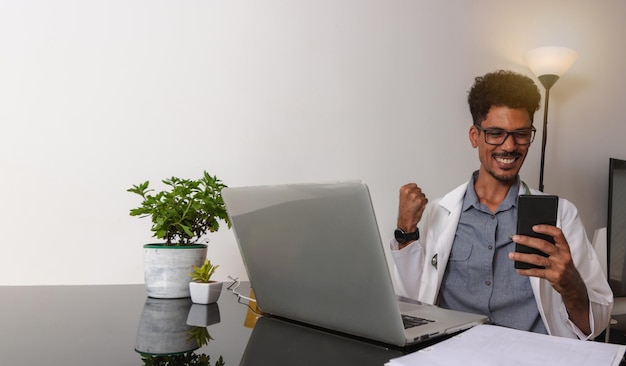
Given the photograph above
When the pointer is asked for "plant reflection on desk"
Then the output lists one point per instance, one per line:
(170, 330)
(183, 359)
(200, 335)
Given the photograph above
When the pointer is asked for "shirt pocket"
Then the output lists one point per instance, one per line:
(458, 266)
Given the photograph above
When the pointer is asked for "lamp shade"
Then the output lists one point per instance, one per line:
(550, 60)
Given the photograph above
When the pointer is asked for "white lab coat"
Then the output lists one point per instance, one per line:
(417, 277)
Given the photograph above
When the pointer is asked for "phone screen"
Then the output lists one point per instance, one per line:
(533, 210)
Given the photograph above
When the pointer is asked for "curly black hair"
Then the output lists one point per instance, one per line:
(502, 89)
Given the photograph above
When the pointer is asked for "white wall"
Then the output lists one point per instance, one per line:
(98, 95)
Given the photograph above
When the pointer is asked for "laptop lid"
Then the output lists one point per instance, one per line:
(314, 254)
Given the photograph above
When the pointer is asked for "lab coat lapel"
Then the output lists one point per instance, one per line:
(446, 221)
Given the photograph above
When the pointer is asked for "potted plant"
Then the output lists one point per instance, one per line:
(182, 214)
(202, 289)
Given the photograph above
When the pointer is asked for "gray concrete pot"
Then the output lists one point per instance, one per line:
(167, 268)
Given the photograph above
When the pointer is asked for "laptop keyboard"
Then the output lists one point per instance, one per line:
(414, 321)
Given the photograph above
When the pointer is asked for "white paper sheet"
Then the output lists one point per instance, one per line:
(493, 345)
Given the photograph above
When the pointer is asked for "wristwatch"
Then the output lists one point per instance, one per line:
(402, 237)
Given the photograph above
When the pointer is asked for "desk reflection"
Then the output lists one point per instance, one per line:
(170, 330)
(173, 332)
(278, 342)
(103, 325)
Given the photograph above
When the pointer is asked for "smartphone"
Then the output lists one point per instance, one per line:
(533, 210)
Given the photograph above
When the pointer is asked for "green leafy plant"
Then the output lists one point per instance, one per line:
(204, 272)
(185, 211)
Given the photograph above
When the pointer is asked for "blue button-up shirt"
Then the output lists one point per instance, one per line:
(480, 278)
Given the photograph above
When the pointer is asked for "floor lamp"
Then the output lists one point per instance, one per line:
(548, 64)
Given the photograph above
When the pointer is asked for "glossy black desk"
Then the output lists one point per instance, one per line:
(111, 325)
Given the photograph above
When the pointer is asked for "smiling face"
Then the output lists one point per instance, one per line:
(502, 162)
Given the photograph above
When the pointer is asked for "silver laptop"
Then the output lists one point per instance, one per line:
(314, 254)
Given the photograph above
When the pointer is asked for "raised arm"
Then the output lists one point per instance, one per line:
(411, 206)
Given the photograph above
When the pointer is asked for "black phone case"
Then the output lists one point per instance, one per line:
(533, 210)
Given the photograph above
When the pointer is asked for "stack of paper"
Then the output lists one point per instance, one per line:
(493, 345)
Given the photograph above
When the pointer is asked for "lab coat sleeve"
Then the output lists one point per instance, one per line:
(407, 272)
(587, 264)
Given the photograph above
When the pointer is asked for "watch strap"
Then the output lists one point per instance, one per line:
(403, 237)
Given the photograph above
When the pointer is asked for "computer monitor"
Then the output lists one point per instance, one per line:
(616, 227)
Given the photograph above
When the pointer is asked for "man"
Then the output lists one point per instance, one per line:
(463, 256)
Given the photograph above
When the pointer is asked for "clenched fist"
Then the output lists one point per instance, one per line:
(411, 207)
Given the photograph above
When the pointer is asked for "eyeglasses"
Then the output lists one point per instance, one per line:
(497, 136)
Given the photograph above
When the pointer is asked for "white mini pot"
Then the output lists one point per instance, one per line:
(205, 293)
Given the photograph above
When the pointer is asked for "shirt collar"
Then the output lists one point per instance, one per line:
(471, 199)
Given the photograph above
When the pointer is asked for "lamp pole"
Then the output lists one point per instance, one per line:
(548, 64)
(547, 81)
